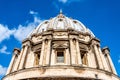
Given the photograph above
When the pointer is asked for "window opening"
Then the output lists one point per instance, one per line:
(60, 57)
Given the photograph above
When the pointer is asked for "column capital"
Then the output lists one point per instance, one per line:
(106, 50)
(26, 42)
(95, 41)
(16, 51)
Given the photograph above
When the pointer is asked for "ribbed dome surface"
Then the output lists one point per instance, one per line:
(61, 22)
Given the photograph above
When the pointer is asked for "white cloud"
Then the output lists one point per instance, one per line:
(5, 33)
(2, 70)
(33, 12)
(20, 32)
(23, 31)
(119, 61)
(63, 1)
(68, 1)
(3, 50)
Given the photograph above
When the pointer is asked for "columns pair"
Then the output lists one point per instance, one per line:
(75, 52)
(16, 53)
(106, 52)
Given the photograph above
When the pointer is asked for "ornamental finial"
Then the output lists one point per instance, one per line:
(60, 11)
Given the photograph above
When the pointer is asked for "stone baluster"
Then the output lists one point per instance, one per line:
(15, 54)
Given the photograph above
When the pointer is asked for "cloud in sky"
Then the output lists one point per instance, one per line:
(20, 32)
(63, 1)
(119, 60)
(5, 32)
(2, 70)
(3, 50)
(68, 1)
(33, 12)
(23, 31)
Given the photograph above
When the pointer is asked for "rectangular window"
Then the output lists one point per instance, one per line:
(37, 58)
(83, 57)
(60, 57)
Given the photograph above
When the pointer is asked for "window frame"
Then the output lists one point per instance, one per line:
(60, 51)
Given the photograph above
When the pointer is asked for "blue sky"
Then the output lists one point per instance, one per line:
(18, 18)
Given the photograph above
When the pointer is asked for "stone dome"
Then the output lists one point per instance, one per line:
(61, 49)
(61, 22)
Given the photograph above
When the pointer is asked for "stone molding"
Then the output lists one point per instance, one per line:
(43, 71)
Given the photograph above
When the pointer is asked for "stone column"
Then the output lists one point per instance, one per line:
(67, 57)
(98, 57)
(42, 53)
(19, 59)
(107, 52)
(53, 57)
(17, 53)
(89, 61)
(78, 53)
(24, 56)
(103, 60)
(73, 52)
(48, 51)
(111, 64)
(11, 64)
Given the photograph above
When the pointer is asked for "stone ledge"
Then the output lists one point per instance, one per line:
(51, 71)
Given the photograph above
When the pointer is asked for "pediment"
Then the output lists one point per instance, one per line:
(60, 46)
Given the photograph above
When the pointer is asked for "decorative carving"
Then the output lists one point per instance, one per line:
(36, 47)
(39, 37)
(60, 34)
(46, 41)
(82, 37)
(83, 47)
(74, 41)
(60, 44)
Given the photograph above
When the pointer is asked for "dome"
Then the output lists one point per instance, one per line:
(61, 22)
(61, 53)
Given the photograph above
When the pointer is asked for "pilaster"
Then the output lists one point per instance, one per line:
(73, 52)
(107, 52)
(26, 45)
(42, 53)
(95, 43)
(48, 51)
(103, 60)
(78, 53)
(15, 53)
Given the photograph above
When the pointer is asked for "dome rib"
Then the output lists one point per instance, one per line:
(62, 22)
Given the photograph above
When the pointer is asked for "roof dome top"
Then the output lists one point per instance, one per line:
(61, 22)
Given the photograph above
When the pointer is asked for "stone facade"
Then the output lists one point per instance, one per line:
(61, 52)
